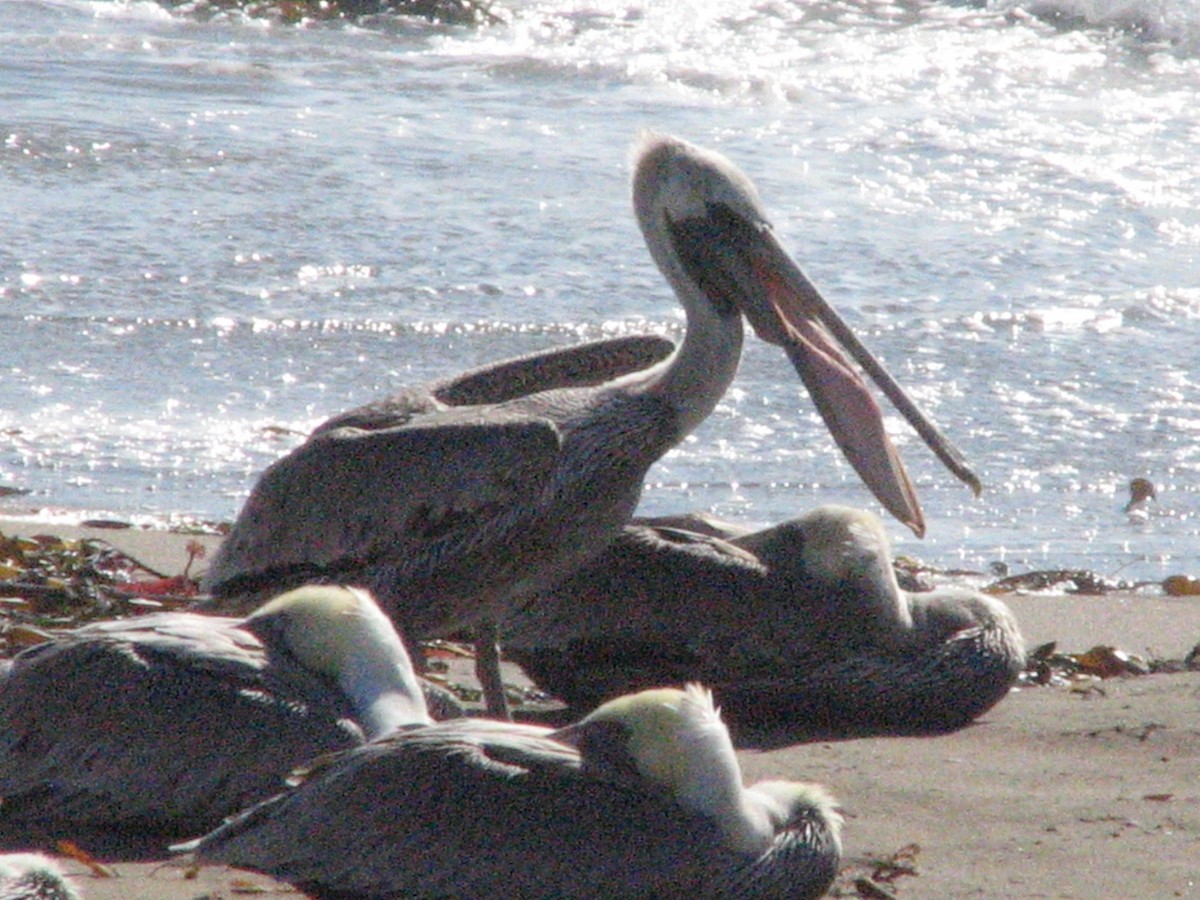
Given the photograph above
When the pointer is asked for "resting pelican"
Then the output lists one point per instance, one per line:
(800, 627)
(451, 514)
(643, 798)
(169, 722)
(33, 876)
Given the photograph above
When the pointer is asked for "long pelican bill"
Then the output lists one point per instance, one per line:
(742, 263)
(455, 501)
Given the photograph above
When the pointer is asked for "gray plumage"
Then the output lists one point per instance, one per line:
(479, 808)
(800, 627)
(451, 503)
(454, 502)
(169, 722)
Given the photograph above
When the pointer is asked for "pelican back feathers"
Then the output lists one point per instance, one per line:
(167, 723)
(476, 808)
(800, 627)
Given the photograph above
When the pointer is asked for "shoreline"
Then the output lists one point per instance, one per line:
(1079, 791)
(1134, 621)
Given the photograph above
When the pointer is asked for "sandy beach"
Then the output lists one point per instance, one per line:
(1083, 791)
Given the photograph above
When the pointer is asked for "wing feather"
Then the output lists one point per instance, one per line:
(456, 810)
(167, 724)
(349, 497)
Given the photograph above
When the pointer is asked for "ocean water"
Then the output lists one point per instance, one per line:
(217, 231)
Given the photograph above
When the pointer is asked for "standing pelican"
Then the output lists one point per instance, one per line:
(801, 627)
(169, 722)
(643, 798)
(450, 515)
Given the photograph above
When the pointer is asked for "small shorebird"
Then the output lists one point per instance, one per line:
(1141, 495)
(643, 798)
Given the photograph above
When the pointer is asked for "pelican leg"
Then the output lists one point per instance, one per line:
(487, 670)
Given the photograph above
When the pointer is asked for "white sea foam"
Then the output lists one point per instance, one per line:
(1173, 21)
(218, 233)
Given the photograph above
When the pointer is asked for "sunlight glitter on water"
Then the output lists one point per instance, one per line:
(284, 222)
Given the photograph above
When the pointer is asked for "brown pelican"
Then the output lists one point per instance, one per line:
(451, 514)
(169, 722)
(643, 798)
(33, 876)
(800, 627)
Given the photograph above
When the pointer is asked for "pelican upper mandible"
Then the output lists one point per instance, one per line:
(801, 627)
(452, 513)
(169, 722)
(643, 798)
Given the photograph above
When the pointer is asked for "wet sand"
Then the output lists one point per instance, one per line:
(1059, 792)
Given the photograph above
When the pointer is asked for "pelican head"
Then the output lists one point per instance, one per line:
(342, 633)
(940, 614)
(675, 740)
(707, 230)
(839, 551)
(679, 187)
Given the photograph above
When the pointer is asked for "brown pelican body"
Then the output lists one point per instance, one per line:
(169, 722)
(452, 510)
(642, 799)
(32, 876)
(801, 628)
